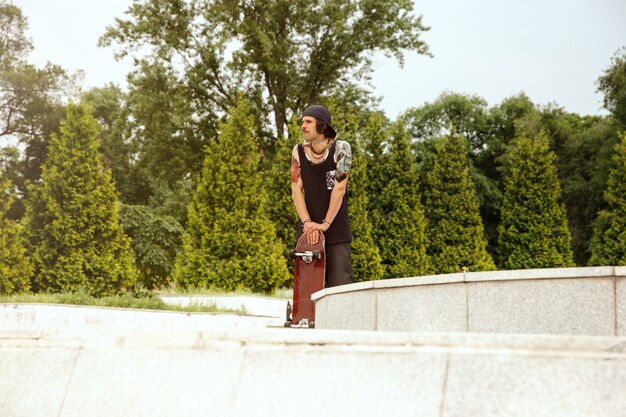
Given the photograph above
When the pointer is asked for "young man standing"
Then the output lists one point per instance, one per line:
(319, 178)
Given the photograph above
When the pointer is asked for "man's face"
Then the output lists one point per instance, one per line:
(309, 130)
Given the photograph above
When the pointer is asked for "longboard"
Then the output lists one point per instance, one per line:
(309, 274)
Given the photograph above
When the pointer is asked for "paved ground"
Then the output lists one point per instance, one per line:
(252, 305)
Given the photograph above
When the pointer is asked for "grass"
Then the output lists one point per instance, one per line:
(172, 291)
(148, 302)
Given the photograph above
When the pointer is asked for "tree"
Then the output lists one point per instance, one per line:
(230, 242)
(156, 239)
(277, 183)
(15, 266)
(455, 230)
(397, 215)
(452, 114)
(609, 240)
(14, 45)
(613, 85)
(108, 106)
(366, 259)
(584, 147)
(76, 240)
(533, 232)
(351, 123)
(31, 100)
(282, 54)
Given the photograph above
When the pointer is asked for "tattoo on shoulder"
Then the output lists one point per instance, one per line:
(295, 169)
(343, 157)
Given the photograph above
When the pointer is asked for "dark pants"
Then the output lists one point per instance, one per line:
(338, 264)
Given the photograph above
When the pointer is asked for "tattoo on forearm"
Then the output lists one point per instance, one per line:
(343, 156)
(295, 169)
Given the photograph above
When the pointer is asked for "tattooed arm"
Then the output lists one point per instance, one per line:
(343, 158)
(297, 187)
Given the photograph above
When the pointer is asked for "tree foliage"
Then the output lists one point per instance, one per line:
(287, 51)
(277, 182)
(31, 100)
(230, 241)
(613, 84)
(351, 122)
(16, 269)
(533, 232)
(155, 240)
(584, 147)
(14, 45)
(455, 232)
(75, 238)
(452, 114)
(609, 240)
(399, 225)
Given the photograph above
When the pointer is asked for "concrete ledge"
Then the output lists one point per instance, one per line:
(569, 301)
(242, 372)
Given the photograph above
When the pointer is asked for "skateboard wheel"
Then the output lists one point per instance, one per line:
(288, 312)
(317, 254)
(291, 254)
(311, 325)
(287, 323)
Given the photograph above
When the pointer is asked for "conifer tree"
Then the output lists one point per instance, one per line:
(609, 240)
(277, 182)
(366, 259)
(230, 242)
(75, 237)
(455, 230)
(533, 231)
(397, 215)
(15, 267)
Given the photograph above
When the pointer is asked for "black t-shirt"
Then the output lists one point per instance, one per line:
(318, 181)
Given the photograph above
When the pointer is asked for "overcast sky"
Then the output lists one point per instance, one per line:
(552, 50)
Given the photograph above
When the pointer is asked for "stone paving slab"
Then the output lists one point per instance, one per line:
(99, 371)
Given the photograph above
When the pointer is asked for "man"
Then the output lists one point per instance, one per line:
(319, 178)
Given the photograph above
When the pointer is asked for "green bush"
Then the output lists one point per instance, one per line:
(75, 238)
(609, 240)
(230, 242)
(455, 232)
(15, 266)
(533, 231)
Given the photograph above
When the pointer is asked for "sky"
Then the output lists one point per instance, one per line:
(551, 50)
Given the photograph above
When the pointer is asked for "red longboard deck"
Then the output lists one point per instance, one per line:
(308, 278)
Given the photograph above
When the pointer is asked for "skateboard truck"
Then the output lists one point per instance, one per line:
(307, 256)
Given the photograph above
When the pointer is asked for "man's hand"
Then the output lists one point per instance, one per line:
(312, 231)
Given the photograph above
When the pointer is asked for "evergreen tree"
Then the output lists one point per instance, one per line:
(366, 259)
(230, 242)
(533, 232)
(455, 230)
(397, 215)
(15, 267)
(277, 182)
(76, 240)
(609, 240)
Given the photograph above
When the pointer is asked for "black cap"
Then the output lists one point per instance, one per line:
(321, 113)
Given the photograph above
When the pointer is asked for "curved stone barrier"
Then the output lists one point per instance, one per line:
(567, 301)
(97, 371)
